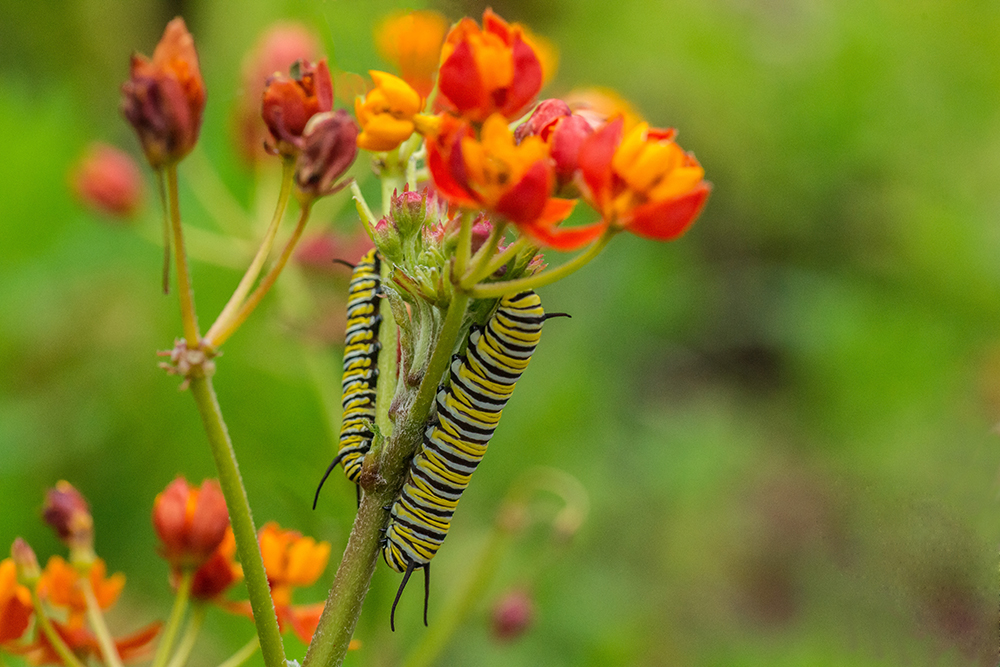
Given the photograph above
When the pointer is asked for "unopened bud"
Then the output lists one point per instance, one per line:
(409, 210)
(190, 522)
(329, 148)
(108, 180)
(513, 615)
(387, 239)
(289, 101)
(542, 120)
(67, 511)
(24, 557)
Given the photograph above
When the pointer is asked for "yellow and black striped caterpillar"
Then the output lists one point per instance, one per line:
(361, 348)
(468, 411)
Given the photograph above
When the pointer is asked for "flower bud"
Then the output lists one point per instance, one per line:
(28, 570)
(330, 146)
(67, 511)
(387, 239)
(190, 522)
(108, 181)
(513, 614)
(164, 97)
(542, 119)
(289, 102)
(219, 572)
(411, 209)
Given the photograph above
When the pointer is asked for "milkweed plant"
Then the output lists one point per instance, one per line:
(478, 177)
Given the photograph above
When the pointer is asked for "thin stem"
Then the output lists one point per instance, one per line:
(343, 606)
(496, 290)
(487, 250)
(189, 637)
(242, 521)
(181, 599)
(492, 264)
(464, 248)
(55, 640)
(367, 217)
(214, 196)
(242, 655)
(250, 277)
(237, 319)
(162, 189)
(189, 317)
(98, 625)
(388, 366)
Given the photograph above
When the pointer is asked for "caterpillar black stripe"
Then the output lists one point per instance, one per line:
(361, 348)
(468, 411)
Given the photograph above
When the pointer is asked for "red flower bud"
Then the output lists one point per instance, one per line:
(513, 615)
(67, 511)
(289, 102)
(219, 572)
(330, 144)
(542, 119)
(108, 180)
(164, 98)
(28, 570)
(190, 522)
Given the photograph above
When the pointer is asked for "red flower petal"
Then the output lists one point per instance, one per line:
(526, 201)
(459, 79)
(595, 156)
(667, 220)
(527, 80)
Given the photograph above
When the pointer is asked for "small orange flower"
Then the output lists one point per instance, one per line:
(489, 70)
(15, 604)
(164, 97)
(60, 586)
(67, 511)
(219, 572)
(512, 180)
(190, 522)
(389, 113)
(108, 180)
(412, 42)
(289, 102)
(85, 645)
(642, 181)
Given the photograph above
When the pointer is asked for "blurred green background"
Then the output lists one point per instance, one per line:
(783, 420)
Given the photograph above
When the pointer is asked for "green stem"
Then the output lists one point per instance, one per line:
(243, 654)
(217, 199)
(242, 521)
(189, 637)
(491, 264)
(486, 251)
(161, 187)
(460, 605)
(240, 316)
(464, 249)
(98, 624)
(250, 277)
(388, 367)
(350, 585)
(181, 599)
(64, 651)
(365, 213)
(189, 317)
(496, 290)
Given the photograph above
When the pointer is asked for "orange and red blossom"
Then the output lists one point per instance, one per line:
(412, 42)
(276, 50)
(288, 102)
(489, 70)
(68, 513)
(219, 572)
(82, 642)
(108, 180)
(15, 603)
(512, 180)
(642, 181)
(390, 113)
(164, 97)
(190, 522)
(61, 586)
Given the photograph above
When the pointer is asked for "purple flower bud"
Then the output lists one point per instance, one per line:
(513, 615)
(330, 146)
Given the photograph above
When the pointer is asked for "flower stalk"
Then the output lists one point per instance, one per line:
(191, 631)
(181, 599)
(64, 652)
(97, 623)
(185, 292)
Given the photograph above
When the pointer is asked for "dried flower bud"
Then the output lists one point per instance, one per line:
(28, 570)
(108, 180)
(164, 97)
(329, 148)
(289, 102)
(67, 511)
(190, 522)
(513, 615)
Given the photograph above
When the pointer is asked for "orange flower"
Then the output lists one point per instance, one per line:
(164, 98)
(487, 71)
(512, 180)
(219, 572)
(108, 180)
(84, 644)
(289, 102)
(643, 182)
(190, 522)
(276, 50)
(60, 586)
(390, 113)
(15, 604)
(412, 42)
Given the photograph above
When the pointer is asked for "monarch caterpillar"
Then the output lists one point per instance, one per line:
(468, 411)
(361, 348)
